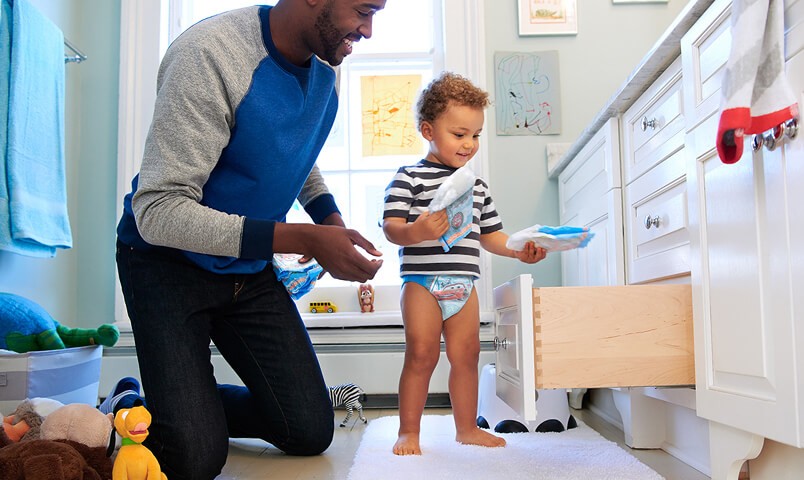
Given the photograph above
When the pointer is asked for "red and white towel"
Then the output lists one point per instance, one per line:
(756, 94)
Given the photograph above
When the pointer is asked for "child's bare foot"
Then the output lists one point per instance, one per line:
(480, 437)
(407, 444)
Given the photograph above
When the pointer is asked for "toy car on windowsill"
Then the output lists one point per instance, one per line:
(323, 307)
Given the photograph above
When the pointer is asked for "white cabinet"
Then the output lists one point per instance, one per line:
(654, 174)
(747, 266)
(590, 196)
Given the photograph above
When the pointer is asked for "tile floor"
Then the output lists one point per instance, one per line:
(252, 460)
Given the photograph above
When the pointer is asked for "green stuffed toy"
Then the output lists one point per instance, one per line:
(26, 326)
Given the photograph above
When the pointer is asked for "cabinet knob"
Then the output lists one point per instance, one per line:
(791, 128)
(652, 221)
(501, 343)
(757, 143)
(646, 124)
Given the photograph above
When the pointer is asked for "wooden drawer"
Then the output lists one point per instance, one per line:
(653, 127)
(588, 337)
(594, 171)
(704, 52)
(657, 239)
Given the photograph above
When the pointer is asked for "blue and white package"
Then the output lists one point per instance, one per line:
(459, 215)
(552, 239)
(455, 195)
(298, 278)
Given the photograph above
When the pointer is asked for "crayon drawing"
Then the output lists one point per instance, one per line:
(528, 98)
(388, 124)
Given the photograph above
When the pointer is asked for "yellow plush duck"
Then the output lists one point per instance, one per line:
(134, 461)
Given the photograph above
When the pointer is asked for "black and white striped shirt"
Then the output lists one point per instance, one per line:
(409, 195)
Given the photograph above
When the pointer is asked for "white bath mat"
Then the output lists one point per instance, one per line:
(576, 454)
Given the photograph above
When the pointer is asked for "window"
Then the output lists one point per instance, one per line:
(356, 177)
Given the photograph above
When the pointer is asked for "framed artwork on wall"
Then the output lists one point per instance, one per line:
(547, 17)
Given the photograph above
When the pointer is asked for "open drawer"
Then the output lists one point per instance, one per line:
(588, 337)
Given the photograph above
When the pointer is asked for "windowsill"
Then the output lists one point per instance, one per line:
(345, 328)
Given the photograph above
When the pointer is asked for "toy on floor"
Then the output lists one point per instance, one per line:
(134, 461)
(74, 442)
(552, 405)
(347, 395)
(365, 295)
(25, 326)
(25, 423)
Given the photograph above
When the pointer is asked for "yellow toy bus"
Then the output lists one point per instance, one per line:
(323, 307)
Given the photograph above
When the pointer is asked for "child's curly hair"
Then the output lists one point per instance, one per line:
(445, 89)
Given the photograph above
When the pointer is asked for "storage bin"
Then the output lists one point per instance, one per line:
(71, 375)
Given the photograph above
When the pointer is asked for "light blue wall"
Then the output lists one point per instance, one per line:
(593, 64)
(77, 286)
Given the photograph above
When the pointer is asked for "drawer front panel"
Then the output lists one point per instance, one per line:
(704, 53)
(654, 125)
(657, 234)
(592, 173)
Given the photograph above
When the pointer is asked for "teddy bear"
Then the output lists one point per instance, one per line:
(44, 460)
(25, 326)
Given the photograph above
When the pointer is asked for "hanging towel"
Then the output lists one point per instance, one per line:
(33, 214)
(756, 94)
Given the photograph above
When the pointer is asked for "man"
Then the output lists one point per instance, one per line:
(245, 102)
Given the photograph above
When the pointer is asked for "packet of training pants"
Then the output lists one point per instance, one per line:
(456, 196)
(552, 239)
(298, 278)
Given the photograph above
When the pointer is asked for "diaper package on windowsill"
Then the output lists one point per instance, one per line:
(298, 278)
(552, 239)
(456, 196)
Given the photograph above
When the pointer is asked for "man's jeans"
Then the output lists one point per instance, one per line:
(176, 308)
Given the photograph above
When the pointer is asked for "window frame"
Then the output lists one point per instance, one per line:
(143, 41)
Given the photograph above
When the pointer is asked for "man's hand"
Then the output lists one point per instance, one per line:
(334, 249)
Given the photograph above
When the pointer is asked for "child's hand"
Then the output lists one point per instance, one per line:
(531, 253)
(431, 226)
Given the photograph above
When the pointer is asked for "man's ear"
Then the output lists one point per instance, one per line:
(427, 130)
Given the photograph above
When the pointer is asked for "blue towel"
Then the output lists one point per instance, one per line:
(33, 198)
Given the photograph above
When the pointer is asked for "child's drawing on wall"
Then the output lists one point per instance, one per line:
(528, 97)
(387, 105)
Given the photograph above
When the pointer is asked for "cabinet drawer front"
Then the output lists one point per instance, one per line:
(594, 171)
(632, 335)
(704, 53)
(654, 125)
(658, 248)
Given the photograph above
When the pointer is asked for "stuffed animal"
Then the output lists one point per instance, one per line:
(44, 460)
(87, 430)
(25, 326)
(22, 425)
(134, 461)
(365, 295)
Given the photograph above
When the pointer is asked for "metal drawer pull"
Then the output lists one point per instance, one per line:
(501, 343)
(652, 221)
(757, 143)
(648, 123)
(791, 128)
(773, 136)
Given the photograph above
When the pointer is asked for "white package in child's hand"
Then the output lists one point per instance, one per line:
(552, 239)
(453, 187)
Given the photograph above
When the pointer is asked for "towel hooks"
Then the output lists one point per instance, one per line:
(77, 58)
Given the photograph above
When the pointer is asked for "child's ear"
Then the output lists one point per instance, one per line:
(427, 131)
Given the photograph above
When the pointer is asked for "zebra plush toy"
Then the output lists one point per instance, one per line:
(348, 396)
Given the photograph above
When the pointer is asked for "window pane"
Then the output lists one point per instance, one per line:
(410, 20)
